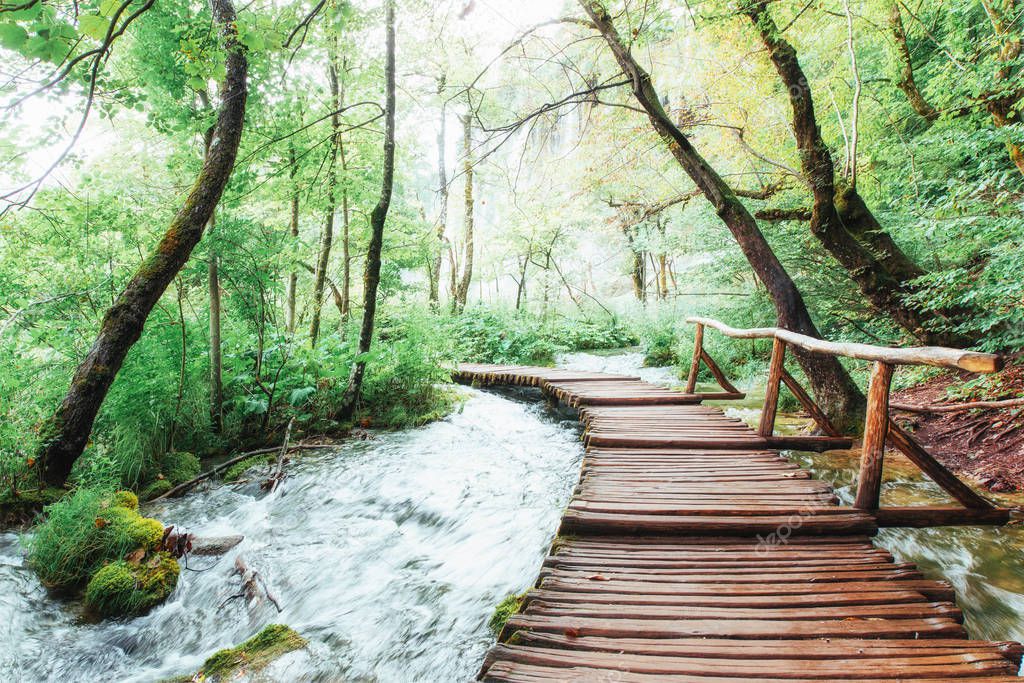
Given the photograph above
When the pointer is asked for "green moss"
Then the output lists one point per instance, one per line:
(505, 609)
(126, 499)
(179, 467)
(235, 472)
(124, 588)
(252, 655)
(156, 489)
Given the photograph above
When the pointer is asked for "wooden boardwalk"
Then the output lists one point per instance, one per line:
(691, 552)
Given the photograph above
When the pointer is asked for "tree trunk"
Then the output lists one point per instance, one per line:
(442, 192)
(213, 286)
(371, 275)
(67, 432)
(293, 277)
(346, 243)
(216, 374)
(327, 236)
(905, 74)
(521, 285)
(832, 386)
(462, 292)
(1002, 105)
(838, 219)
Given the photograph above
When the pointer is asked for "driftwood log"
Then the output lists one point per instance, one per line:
(181, 488)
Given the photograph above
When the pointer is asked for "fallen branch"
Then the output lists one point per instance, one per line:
(956, 407)
(181, 488)
(278, 475)
(251, 583)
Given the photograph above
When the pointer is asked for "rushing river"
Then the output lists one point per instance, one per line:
(390, 554)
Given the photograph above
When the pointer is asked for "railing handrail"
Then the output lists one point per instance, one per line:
(939, 356)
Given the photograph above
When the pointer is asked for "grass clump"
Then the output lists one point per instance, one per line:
(86, 530)
(505, 609)
(126, 588)
(252, 655)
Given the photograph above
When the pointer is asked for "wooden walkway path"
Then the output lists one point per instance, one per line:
(691, 552)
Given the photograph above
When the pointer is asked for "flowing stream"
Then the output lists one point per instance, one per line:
(390, 554)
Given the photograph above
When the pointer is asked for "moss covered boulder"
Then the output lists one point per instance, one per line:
(132, 587)
(252, 655)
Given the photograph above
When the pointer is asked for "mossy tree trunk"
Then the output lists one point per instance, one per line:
(442, 191)
(834, 390)
(462, 292)
(378, 218)
(840, 219)
(67, 431)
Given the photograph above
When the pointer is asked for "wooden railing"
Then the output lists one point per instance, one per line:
(879, 427)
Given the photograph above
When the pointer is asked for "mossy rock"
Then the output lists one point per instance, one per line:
(132, 529)
(123, 588)
(86, 530)
(505, 609)
(252, 655)
(179, 467)
(156, 489)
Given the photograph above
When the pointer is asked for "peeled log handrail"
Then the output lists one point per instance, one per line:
(938, 356)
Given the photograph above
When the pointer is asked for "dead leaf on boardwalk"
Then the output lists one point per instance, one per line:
(572, 632)
(598, 577)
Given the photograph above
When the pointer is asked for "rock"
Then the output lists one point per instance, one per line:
(252, 655)
(130, 588)
(214, 545)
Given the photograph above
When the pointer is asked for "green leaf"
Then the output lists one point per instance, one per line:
(108, 7)
(12, 36)
(299, 396)
(94, 26)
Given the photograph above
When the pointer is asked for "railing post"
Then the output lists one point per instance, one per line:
(876, 428)
(771, 392)
(698, 349)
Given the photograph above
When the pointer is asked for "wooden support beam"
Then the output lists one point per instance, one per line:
(698, 350)
(876, 428)
(809, 405)
(934, 469)
(717, 372)
(766, 427)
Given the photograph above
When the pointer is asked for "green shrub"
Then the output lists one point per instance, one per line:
(125, 588)
(84, 531)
